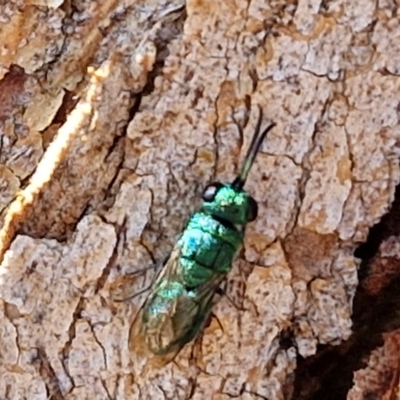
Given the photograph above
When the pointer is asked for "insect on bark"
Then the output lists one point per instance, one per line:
(182, 295)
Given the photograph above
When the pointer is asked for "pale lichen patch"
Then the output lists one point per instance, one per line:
(306, 15)
(326, 191)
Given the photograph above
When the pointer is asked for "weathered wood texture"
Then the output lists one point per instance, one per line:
(96, 184)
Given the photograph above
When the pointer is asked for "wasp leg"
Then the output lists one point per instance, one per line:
(156, 267)
(142, 270)
(198, 331)
(146, 289)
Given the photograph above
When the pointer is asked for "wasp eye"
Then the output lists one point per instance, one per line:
(252, 210)
(211, 190)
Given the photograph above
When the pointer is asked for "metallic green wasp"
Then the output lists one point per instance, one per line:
(181, 297)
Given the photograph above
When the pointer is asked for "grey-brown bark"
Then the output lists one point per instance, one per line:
(96, 184)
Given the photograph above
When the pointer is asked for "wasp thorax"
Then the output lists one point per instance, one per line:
(232, 205)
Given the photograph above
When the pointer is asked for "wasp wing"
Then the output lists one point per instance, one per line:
(173, 313)
(166, 273)
(192, 312)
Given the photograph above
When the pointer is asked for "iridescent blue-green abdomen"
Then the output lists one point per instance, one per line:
(208, 246)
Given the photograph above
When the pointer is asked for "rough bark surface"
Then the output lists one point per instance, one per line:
(115, 115)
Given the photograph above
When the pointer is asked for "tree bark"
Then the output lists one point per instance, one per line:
(115, 115)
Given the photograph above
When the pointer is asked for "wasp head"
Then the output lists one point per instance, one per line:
(229, 204)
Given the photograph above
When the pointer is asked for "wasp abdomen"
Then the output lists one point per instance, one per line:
(208, 247)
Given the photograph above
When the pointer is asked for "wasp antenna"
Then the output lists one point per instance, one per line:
(254, 148)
